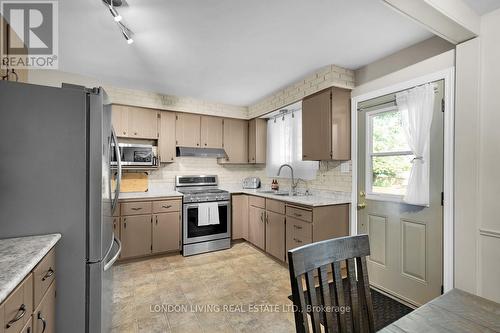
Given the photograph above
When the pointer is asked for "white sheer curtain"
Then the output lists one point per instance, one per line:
(417, 107)
(284, 145)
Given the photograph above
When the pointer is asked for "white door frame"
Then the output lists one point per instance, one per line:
(448, 75)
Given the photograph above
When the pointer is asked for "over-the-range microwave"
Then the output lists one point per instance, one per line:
(136, 155)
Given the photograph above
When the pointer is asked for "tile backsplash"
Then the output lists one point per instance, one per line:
(330, 176)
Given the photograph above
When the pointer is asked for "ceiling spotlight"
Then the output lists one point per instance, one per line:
(126, 33)
(115, 14)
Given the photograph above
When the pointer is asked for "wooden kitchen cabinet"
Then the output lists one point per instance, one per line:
(211, 132)
(235, 141)
(119, 120)
(326, 125)
(275, 235)
(28, 328)
(257, 140)
(134, 122)
(19, 301)
(239, 207)
(136, 236)
(298, 233)
(166, 136)
(187, 130)
(256, 226)
(166, 232)
(44, 320)
(143, 123)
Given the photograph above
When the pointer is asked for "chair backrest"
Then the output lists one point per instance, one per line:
(324, 304)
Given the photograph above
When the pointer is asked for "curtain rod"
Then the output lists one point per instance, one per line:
(436, 89)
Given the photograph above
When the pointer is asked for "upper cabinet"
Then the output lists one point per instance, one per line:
(211, 132)
(187, 130)
(257, 140)
(236, 140)
(166, 138)
(326, 125)
(134, 122)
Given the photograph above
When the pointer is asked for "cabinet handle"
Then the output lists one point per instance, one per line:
(297, 227)
(44, 323)
(135, 133)
(297, 240)
(168, 206)
(205, 144)
(262, 217)
(49, 273)
(297, 214)
(197, 144)
(124, 132)
(157, 220)
(20, 313)
(124, 225)
(136, 208)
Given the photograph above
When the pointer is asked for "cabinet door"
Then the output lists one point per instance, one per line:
(239, 206)
(317, 126)
(166, 232)
(18, 306)
(256, 226)
(28, 328)
(44, 317)
(275, 235)
(187, 130)
(236, 140)
(257, 140)
(136, 235)
(142, 123)
(166, 139)
(119, 119)
(211, 132)
(341, 124)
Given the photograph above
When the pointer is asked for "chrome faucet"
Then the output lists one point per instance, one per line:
(294, 184)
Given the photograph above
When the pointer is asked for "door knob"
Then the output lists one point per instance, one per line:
(361, 205)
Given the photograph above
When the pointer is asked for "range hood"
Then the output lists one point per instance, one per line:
(201, 152)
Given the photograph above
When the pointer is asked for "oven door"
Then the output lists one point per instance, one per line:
(192, 233)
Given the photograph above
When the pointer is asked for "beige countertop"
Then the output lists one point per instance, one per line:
(149, 195)
(18, 257)
(314, 199)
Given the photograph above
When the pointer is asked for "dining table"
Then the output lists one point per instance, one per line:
(455, 311)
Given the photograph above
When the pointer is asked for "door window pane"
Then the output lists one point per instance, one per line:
(390, 174)
(387, 133)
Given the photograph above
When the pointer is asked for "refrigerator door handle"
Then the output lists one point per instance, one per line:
(115, 257)
(119, 170)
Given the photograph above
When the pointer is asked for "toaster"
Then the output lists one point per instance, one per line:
(251, 182)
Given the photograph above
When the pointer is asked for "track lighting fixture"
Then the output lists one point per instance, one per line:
(126, 32)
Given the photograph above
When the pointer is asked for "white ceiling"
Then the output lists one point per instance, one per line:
(483, 6)
(229, 51)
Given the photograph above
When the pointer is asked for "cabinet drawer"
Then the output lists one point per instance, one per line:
(299, 213)
(257, 201)
(275, 206)
(44, 317)
(166, 206)
(301, 231)
(19, 306)
(43, 275)
(136, 208)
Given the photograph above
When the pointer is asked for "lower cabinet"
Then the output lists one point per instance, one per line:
(149, 227)
(136, 236)
(44, 320)
(256, 226)
(275, 235)
(166, 232)
(31, 306)
(277, 227)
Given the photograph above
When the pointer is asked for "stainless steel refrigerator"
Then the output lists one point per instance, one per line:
(55, 177)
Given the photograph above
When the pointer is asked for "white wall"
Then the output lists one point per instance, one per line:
(489, 160)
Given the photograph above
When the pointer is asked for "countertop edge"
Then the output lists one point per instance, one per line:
(328, 201)
(7, 289)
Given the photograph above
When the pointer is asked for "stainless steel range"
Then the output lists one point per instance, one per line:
(206, 222)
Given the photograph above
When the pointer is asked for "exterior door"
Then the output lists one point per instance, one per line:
(405, 240)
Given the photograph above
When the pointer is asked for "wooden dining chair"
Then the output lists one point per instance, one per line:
(318, 304)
